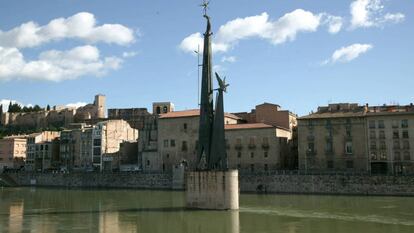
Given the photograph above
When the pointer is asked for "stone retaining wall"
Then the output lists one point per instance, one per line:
(329, 184)
(95, 180)
(263, 183)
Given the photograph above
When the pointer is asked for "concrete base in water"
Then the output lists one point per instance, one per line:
(215, 190)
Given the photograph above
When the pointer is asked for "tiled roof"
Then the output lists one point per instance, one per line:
(191, 113)
(247, 126)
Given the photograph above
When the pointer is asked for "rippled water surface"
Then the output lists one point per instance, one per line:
(80, 210)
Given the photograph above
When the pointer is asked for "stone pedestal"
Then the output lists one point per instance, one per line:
(215, 190)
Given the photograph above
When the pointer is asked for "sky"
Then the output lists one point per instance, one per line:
(299, 54)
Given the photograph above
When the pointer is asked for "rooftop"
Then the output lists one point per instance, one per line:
(247, 126)
(191, 113)
(345, 110)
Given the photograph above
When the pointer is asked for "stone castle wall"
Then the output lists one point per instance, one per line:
(299, 184)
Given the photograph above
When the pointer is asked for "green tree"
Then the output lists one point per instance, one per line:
(48, 107)
(37, 108)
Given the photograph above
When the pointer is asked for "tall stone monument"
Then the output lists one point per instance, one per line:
(212, 185)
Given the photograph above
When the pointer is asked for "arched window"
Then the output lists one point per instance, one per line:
(158, 110)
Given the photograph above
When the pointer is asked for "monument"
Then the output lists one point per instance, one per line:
(212, 185)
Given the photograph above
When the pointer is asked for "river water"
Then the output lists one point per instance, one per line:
(83, 210)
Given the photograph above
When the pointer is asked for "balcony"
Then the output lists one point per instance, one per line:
(238, 147)
(252, 146)
(265, 146)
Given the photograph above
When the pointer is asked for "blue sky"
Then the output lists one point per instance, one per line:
(298, 54)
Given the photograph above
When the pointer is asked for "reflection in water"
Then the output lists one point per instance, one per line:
(16, 216)
(102, 211)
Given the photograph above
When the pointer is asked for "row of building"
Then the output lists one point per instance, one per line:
(336, 138)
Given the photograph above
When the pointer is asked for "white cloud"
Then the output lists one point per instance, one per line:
(278, 31)
(129, 54)
(369, 13)
(230, 59)
(349, 53)
(79, 26)
(76, 105)
(334, 22)
(54, 65)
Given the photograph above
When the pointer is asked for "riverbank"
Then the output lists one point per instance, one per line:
(329, 184)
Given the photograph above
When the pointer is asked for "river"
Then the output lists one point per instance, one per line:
(102, 210)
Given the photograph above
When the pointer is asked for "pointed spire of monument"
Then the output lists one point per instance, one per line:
(206, 98)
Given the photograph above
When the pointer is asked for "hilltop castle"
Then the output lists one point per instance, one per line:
(59, 116)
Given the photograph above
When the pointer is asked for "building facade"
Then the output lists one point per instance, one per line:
(107, 137)
(353, 138)
(12, 152)
(42, 149)
(76, 147)
(251, 147)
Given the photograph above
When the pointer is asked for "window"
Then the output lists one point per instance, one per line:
(372, 134)
(404, 123)
(46, 147)
(396, 145)
(158, 110)
(251, 141)
(348, 132)
(395, 124)
(251, 154)
(238, 166)
(328, 147)
(349, 164)
(407, 155)
(381, 124)
(163, 167)
(397, 155)
(373, 145)
(252, 167)
(96, 151)
(328, 124)
(405, 134)
(41, 147)
(395, 134)
(310, 124)
(184, 146)
(372, 124)
(238, 154)
(165, 109)
(265, 154)
(172, 143)
(97, 142)
(373, 156)
(311, 147)
(168, 156)
(165, 143)
(329, 164)
(383, 146)
(348, 147)
(382, 134)
(406, 145)
(266, 168)
(185, 126)
(148, 162)
(238, 141)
